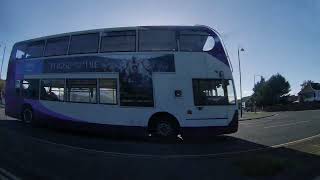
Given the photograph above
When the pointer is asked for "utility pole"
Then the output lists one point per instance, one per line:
(240, 80)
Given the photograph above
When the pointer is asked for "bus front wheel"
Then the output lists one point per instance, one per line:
(27, 115)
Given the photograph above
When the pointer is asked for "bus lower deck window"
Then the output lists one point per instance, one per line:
(82, 90)
(52, 89)
(108, 91)
(30, 88)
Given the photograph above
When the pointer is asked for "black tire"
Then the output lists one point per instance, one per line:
(27, 115)
(165, 129)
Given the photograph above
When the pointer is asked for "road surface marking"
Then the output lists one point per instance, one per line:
(288, 124)
(316, 145)
(132, 155)
(296, 141)
(117, 154)
(7, 175)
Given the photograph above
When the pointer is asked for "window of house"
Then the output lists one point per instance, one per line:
(118, 41)
(84, 43)
(82, 90)
(57, 46)
(52, 89)
(157, 40)
(108, 91)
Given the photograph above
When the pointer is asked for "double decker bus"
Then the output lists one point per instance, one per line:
(158, 80)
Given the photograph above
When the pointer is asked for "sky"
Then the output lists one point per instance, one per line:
(278, 36)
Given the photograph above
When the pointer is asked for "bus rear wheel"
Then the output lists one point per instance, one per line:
(27, 115)
(165, 129)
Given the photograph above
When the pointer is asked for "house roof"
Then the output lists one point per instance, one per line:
(315, 86)
(311, 87)
(245, 99)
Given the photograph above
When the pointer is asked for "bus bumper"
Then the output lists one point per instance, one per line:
(208, 131)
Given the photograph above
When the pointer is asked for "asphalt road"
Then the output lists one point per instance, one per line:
(41, 153)
(282, 128)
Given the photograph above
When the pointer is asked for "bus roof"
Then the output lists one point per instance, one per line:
(171, 27)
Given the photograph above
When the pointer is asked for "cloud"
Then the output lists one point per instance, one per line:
(247, 93)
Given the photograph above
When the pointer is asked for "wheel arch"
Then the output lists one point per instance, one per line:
(26, 105)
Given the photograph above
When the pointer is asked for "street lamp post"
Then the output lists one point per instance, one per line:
(240, 49)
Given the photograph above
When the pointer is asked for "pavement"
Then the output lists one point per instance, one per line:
(276, 147)
(256, 115)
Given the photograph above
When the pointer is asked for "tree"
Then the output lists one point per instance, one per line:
(305, 83)
(276, 89)
(270, 92)
(257, 96)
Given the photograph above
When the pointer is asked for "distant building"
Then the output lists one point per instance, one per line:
(246, 103)
(292, 98)
(310, 93)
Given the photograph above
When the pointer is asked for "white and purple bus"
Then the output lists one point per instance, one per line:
(159, 80)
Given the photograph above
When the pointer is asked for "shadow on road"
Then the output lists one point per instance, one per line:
(130, 144)
(29, 153)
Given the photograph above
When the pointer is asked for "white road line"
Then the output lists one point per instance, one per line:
(287, 124)
(315, 145)
(116, 154)
(132, 155)
(7, 175)
(296, 141)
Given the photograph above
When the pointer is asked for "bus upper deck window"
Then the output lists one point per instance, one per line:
(35, 49)
(57, 46)
(118, 41)
(20, 51)
(157, 40)
(196, 41)
(84, 43)
(209, 44)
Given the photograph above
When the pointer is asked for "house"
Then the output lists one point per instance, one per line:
(292, 98)
(246, 103)
(310, 93)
